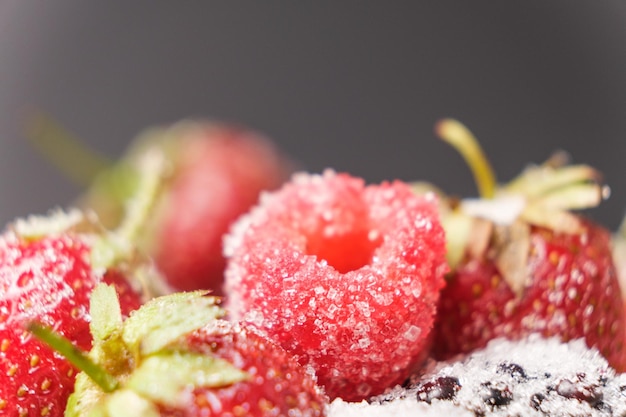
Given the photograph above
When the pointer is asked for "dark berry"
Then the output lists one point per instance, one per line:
(442, 388)
(536, 400)
(497, 396)
(513, 369)
(583, 393)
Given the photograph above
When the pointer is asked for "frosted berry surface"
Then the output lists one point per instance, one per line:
(345, 276)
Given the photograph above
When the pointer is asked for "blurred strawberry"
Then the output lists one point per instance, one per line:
(522, 263)
(216, 172)
(175, 357)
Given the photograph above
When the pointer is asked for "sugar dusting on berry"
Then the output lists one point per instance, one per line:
(46, 278)
(531, 377)
(57, 221)
(343, 275)
(503, 209)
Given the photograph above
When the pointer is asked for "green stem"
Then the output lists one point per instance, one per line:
(151, 174)
(122, 241)
(67, 153)
(457, 135)
(76, 357)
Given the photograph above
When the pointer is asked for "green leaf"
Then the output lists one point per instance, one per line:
(164, 319)
(170, 377)
(126, 403)
(105, 311)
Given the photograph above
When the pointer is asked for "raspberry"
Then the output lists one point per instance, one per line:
(344, 276)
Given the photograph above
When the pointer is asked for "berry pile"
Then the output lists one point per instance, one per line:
(198, 278)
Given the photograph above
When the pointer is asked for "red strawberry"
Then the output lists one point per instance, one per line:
(175, 357)
(217, 173)
(48, 269)
(521, 263)
(344, 276)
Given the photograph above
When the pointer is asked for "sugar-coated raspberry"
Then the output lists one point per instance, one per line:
(343, 275)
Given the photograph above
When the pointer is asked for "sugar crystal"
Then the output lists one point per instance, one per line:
(531, 377)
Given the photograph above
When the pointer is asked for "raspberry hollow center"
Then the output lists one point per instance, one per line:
(345, 252)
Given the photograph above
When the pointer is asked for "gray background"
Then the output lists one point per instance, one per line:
(356, 86)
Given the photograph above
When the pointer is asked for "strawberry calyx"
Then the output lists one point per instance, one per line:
(122, 180)
(141, 363)
(119, 244)
(500, 221)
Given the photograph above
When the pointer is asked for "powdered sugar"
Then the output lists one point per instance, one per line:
(503, 209)
(401, 407)
(532, 377)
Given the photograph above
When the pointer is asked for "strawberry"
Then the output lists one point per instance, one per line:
(344, 276)
(216, 173)
(176, 357)
(522, 263)
(48, 269)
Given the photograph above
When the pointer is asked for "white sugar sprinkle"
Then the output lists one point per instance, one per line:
(534, 377)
